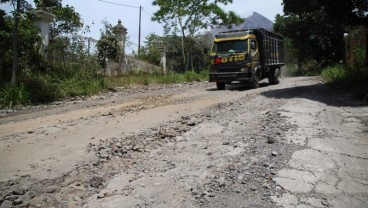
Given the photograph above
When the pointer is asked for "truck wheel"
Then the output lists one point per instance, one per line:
(220, 85)
(274, 76)
(254, 83)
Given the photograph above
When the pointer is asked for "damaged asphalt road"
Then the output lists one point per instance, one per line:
(296, 144)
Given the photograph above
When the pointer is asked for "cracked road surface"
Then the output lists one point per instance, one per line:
(296, 144)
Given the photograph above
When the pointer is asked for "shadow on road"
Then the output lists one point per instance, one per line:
(317, 92)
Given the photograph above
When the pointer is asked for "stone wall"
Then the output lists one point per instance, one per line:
(132, 65)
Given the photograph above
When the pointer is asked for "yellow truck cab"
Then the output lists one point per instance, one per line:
(246, 56)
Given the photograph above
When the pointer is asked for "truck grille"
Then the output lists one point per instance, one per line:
(230, 69)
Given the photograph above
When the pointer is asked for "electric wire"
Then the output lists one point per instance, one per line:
(110, 2)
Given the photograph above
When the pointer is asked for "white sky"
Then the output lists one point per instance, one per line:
(94, 11)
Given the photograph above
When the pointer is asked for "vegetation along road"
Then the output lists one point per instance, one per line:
(296, 144)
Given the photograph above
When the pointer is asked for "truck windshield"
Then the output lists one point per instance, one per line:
(236, 46)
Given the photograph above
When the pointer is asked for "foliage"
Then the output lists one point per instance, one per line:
(347, 12)
(65, 44)
(62, 82)
(150, 52)
(189, 17)
(316, 28)
(196, 59)
(347, 79)
(360, 55)
(336, 74)
(30, 42)
(108, 46)
(67, 21)
(47, 3)
(24, 4)
(67, 70)
(144, 79)
(13, 95)
(191, 76)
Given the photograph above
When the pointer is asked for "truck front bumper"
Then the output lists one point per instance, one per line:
(229, 77)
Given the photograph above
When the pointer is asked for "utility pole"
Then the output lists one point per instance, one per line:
(139, 33)
(15, 45)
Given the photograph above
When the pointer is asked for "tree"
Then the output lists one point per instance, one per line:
(189, 17)
(24, 5)
(47, 3)
(107, 46)
(64, 39)
(67, 21)
(316, 28)
(150, 52)
(346, 12)
(28, 39)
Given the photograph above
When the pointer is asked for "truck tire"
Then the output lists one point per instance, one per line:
(220, 85)
(273, 77)
(254, 84)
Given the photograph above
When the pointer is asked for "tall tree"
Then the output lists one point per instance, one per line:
(107, 46)
(150, 52)
(15, 44)
(19, 4)
(316, 28)
(67, 20)
(188, 17)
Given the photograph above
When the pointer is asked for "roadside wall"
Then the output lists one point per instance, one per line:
(131, 65)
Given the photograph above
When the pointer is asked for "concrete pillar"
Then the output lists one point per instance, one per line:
(120, 33)
(163, 58)
(42, 21)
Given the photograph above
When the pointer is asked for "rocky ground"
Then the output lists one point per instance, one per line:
(296, 144)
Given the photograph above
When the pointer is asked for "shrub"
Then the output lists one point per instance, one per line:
(334, 74)
(145, 79)
(13, 95)
(353, 80)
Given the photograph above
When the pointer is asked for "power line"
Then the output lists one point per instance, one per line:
(147, 12)
(152, 23)
(109, 2)
(140, 16)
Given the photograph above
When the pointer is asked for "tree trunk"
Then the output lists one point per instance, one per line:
(15, 46)
(191, 60)
(183, 50)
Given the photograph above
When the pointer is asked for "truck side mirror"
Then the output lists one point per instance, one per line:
(253, 45)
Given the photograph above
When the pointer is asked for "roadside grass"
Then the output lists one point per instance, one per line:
(353, 80)
(61, 83)
(13, 95)
(145, 79)
(58, 83)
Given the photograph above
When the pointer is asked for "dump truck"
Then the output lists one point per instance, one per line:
(246, 56)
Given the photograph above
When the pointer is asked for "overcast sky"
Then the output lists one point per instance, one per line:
(95, 11)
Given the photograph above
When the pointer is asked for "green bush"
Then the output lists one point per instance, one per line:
(353, 80)
(146, 79)
(335, 74)
(61, 82)
(13, 95)
(191, 76)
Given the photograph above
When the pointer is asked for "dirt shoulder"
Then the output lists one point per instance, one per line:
(188, 146)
